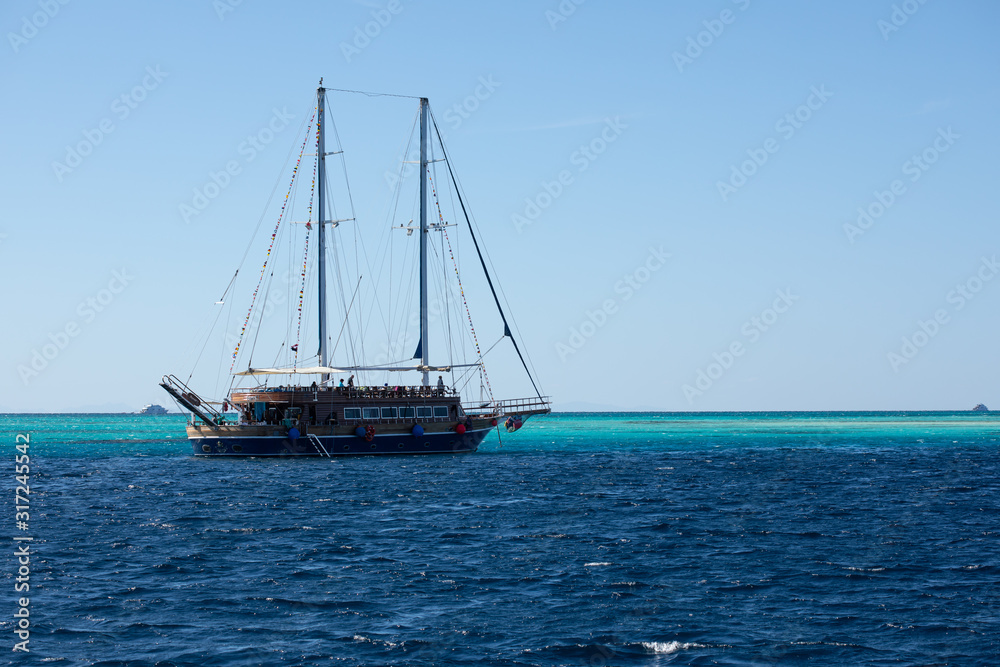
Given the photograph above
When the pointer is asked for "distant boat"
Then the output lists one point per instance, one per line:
(980, 408)
(323, 418)
(153, 409)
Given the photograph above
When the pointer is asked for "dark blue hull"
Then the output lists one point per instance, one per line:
(339, 445)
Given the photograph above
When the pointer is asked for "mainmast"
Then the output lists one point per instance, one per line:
(423, 237)
(324, 359)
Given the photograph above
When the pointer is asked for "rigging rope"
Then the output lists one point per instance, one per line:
(489, 281)
(305, 256)
(302, 294)
(263, 271)
(475, 339)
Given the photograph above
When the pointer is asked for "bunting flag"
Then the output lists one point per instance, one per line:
(475, 339)
(302, 295)
(305, 254)
(274, 235)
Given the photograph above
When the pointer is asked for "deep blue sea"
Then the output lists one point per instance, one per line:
(585, 539)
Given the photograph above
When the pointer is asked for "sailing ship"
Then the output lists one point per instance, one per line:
(315, 412)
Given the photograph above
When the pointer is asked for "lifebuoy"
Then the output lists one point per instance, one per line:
(369, 433)
(513, 423)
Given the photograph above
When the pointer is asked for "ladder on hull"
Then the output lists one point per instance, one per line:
(318, 444)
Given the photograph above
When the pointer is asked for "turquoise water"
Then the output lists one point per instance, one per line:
(116, 434)
(582, 539)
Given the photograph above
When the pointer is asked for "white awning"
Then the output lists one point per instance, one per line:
(328, 370)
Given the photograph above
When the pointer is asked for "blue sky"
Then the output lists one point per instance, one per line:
(702, 251)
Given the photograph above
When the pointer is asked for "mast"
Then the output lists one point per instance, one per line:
(423, 238)
(324, 359)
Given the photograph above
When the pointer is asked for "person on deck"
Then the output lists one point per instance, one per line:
(341, 383)
(350, 381)
(440, 386)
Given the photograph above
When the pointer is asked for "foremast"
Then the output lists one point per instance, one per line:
(324, 358)
(423, 239)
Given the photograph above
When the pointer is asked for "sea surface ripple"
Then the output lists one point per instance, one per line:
(616, 539)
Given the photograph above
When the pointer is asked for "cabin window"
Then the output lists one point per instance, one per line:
(440, 410)
(425, 412)
(388, 413)
(370, 413)
(407, 413)
(352, 413)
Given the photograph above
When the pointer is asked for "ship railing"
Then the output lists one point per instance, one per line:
(359, 391)
(513, 406)
(191, 401)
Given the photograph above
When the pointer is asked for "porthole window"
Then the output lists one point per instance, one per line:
(237, 448)
(427, 444)
(373, 445)
(346, 447)
(400, 445)
(206, 448)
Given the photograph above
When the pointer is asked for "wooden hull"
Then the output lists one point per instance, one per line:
(330, 441)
